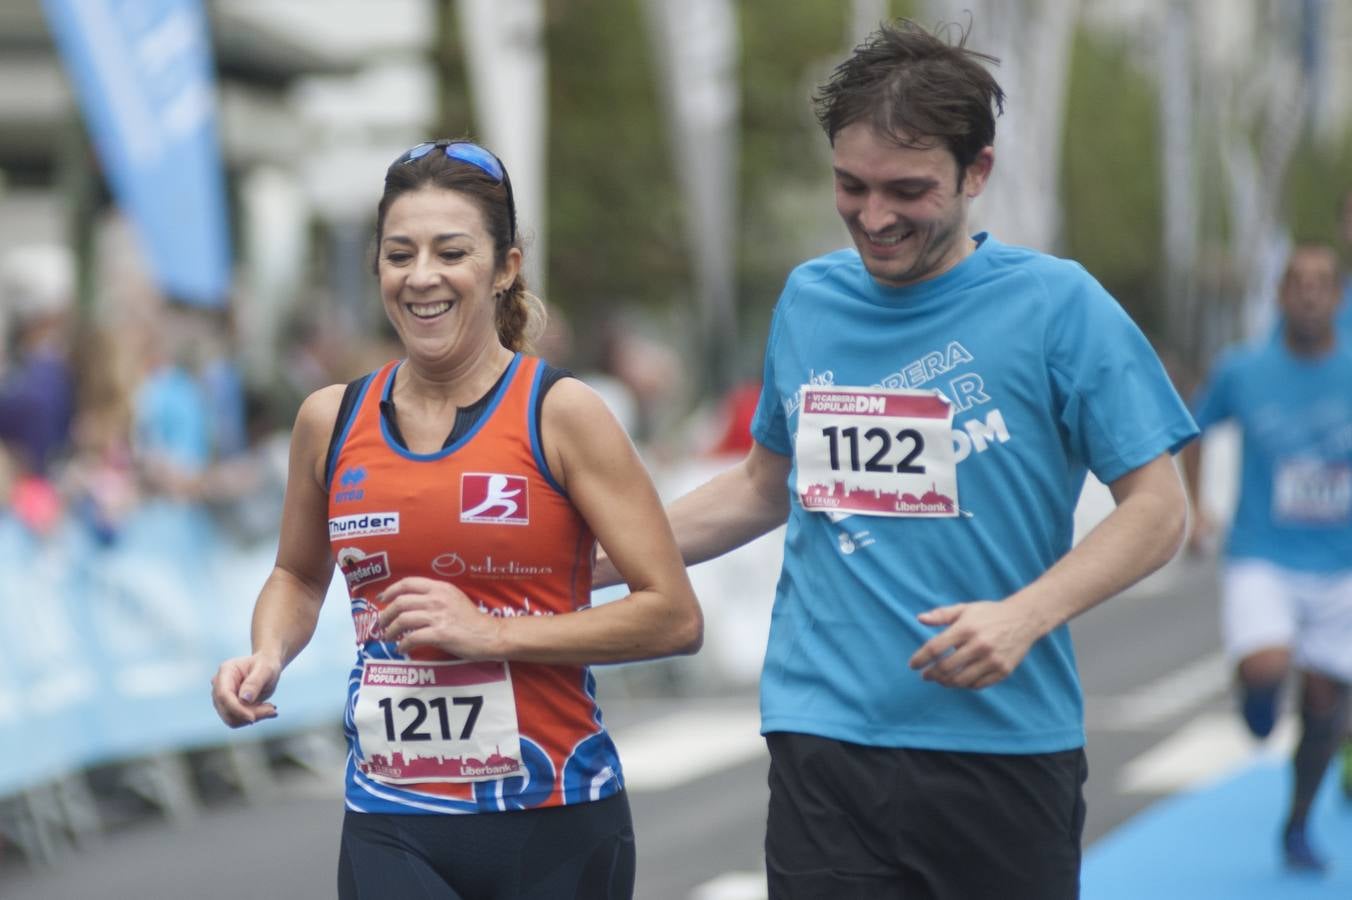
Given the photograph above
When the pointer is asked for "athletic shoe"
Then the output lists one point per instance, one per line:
(1259, 705)
(1300, 856)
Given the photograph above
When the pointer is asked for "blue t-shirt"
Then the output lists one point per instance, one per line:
(1049, 378)
(171, 419)
(1295, 421)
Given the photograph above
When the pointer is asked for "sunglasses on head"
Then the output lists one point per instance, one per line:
(472, 154)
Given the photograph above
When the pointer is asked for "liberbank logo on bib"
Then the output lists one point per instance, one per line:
(364, 525)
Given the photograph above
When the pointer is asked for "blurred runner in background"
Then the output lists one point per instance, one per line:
(1287, 586)
(1345, 330)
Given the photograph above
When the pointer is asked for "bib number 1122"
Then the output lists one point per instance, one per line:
(880, 442)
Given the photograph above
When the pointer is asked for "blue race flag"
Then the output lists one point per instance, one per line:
(142, 70)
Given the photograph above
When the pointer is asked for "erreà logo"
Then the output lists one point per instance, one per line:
(363, 525)
(349, 485)
(360, 569)
(490, 498)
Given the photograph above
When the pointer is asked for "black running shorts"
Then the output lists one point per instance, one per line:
(585, 850)
(851, 822)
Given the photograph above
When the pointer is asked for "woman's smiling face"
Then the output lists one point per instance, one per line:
(438, 278)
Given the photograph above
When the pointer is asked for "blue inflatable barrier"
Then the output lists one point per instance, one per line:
(110, 648)
(49, 686)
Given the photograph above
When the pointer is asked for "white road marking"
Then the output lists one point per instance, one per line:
(686, 745)
(1164, 698)
(733, 886)
(1207, 749)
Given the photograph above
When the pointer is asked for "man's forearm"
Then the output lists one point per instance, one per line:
(733, 508)
(723, 514)
(1139, 536)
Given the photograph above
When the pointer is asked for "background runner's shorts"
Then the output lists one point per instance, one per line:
(1264, 605)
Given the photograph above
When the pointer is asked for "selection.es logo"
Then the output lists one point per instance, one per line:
(494, 499)
(349, 485)
(452, 565)
(364, 525)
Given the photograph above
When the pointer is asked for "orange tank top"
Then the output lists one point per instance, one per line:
(429, 733)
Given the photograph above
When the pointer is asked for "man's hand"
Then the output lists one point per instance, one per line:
(982, 644)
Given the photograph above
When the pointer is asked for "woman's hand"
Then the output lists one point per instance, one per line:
(242, 687)
(424, 612)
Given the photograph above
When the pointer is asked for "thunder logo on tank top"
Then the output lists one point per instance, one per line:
(427, 732)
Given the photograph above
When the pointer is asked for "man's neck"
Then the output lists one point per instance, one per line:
(1310, 347)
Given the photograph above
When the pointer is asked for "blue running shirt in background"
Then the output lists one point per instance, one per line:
(1049, 378)
(1292, 413)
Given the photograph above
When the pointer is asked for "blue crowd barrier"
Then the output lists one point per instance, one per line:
(110, 648)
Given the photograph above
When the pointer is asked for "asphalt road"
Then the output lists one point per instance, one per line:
(1148, 661)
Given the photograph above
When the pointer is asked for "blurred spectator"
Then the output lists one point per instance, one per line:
(642, 381)
(311, 358)
(257, 477)
(1345, 310)
(171, 429)
(222, 383)
(556, 345)
(7, 477)
(197, 435)
(735, 412)
(30, 498)
(100, 478)
(37, 387)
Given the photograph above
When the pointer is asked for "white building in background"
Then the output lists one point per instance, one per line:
(324, 164)
(314, 97)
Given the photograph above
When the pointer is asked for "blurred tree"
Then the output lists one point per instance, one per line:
(616, 232)
(1111, 176)
(616, 236)
(615, 228)
(785, 161)
(1319, 177)
(787, 212)
(454, 114)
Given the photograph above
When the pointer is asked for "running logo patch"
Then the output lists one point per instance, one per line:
(493, 499)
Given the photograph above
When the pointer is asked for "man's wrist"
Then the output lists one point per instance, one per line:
(1040, 612)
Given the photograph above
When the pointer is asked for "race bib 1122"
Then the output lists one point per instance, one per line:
(876, 452)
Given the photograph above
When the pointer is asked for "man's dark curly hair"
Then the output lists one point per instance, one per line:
(916, 88)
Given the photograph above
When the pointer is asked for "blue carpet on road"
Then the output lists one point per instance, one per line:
(1221, 842)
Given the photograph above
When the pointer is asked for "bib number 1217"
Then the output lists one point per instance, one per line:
(412, 731)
